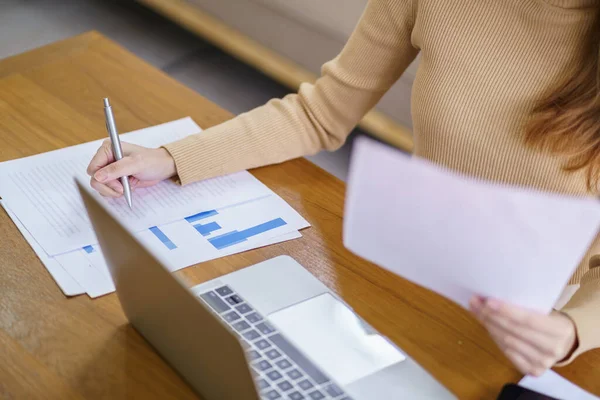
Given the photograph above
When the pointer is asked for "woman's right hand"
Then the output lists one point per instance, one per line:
(145, 167)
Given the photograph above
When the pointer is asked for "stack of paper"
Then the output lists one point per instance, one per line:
(189, 225)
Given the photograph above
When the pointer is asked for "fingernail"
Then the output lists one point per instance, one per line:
(100, 176)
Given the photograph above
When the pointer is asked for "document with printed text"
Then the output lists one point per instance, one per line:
(40, 191)
(181, 225)
(198, 238)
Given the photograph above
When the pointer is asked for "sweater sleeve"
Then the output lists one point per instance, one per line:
(321, 115)
(584, 310)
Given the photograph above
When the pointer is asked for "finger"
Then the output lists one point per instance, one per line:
(103, 157)
(124, 167)
(517, 359)
(476, 304)
(521, 316)
(133, 182)
(520, 362)
(536, 339)
(115, 185)
(534, 357)
(138, 184)
(103, 189)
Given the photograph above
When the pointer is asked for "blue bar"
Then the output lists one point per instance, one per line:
(235, 237)
(227, 240)
(201, 215)
(89, 249)
(224, 235)
(207, 229)
(163, 238)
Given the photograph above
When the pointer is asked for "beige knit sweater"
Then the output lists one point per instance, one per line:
(485, 64)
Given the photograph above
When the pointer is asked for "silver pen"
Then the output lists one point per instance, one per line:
(111, 127)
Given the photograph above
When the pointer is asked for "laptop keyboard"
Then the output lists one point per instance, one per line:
(280, 370)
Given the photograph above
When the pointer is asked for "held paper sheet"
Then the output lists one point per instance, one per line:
(459, 236)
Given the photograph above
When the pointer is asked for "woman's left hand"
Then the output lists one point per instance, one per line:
(533, 342)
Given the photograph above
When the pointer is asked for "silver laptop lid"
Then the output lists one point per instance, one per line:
(178, 325)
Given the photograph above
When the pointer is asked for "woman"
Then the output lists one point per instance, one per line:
(506, 91)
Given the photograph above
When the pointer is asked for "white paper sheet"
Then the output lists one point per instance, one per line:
(67, 284)
(554, 385)
(461, 237)
(181, 244)
(91, 269)
(95, 282)
(191, 247)
(40, 191)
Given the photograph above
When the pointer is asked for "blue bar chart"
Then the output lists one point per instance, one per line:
(220, 229)
(208, 223)
(201, 237)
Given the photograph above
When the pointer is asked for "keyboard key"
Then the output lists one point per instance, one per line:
(308, 367)
(243, 308)
(263, 365)
(231, 316)
(296, 396)
(316, 395)
(264, 328)
(241, 326)
(235, 299)
(305, 385)
(251, 335)
(295, 374)
(272, 395)
(333, 390)
(283, 364)
(262, 384)
(272, 354)
(224, 291)
(274, 375)
(285, 386)
(254, 318)
(262, 344)
(215, 302)
(253, 355)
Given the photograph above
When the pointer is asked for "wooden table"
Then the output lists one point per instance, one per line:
(54, 347)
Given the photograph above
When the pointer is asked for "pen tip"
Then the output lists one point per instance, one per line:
(106, 102)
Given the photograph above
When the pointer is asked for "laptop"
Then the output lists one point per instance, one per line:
(269, 331)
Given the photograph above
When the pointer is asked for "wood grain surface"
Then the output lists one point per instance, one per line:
(55, 347)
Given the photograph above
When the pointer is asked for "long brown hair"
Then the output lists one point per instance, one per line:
(567, 122)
